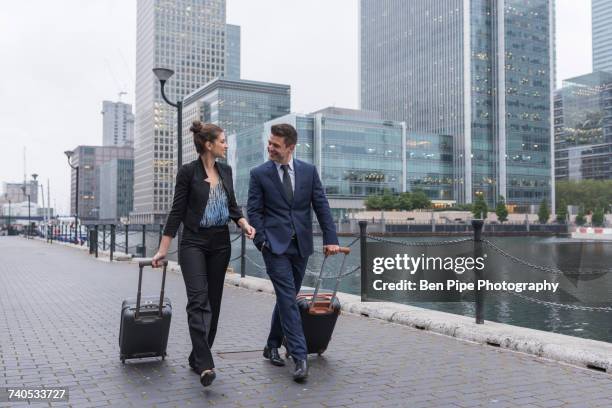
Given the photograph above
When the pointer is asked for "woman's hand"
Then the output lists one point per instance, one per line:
(247, 229)
(158, 258)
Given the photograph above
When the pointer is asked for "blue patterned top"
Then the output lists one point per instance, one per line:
(216, 212)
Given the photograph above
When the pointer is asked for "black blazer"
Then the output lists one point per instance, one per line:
(191, 195)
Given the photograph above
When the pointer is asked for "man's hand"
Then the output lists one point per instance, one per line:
(331, 249)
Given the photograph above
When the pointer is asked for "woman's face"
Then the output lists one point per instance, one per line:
(218, 148)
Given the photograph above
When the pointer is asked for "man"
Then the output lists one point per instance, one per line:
(282, 192)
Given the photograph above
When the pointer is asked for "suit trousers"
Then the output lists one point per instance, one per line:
(204, 256)
(286, 272)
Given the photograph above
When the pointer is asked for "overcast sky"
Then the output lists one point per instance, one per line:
(62, 58)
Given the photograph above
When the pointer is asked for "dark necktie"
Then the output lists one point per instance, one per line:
(287, 182)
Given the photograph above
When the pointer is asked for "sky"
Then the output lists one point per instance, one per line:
(62, 58)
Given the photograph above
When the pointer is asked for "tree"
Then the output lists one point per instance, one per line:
(598, 217)
(543, 212)
(580, 219)
(562, 211)
(373, 202)
(405, 201)
(388, 201)
(480, 209)
(501, 211)
(420, 200)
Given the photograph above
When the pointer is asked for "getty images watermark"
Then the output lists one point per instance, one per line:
(438, 277)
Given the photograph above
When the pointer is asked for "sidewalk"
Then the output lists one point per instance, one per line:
(59, 322)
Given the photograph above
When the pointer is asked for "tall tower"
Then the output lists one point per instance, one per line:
(479, 70)
(117, 124)
(601, 15)
(187, 36)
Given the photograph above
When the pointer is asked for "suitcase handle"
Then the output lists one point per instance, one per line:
(343, 250)
(141, 266)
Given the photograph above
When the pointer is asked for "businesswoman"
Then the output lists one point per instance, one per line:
(204, 202)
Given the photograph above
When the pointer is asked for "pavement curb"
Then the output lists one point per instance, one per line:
(591, 354)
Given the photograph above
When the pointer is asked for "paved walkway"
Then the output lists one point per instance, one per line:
(59, 322)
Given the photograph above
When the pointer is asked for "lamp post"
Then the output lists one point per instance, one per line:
(163, 74)
(34, 176)
(69, 154)
(8, 230)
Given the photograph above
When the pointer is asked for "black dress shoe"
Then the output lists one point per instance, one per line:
(301, 370)
(271, 353)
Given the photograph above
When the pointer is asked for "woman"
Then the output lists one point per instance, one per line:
(204, 202)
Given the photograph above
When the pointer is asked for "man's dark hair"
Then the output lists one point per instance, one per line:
(286, 131)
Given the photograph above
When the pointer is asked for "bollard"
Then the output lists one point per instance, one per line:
(243, 255)
(144, 248)
(478, 274)
(104, 237)
(90, 239)
(127, 233)
(363, 225)
(96, 240)
(112, 243)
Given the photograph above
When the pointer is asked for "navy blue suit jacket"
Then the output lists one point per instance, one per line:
(272, 215)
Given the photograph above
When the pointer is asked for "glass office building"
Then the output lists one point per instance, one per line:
(232, 51)
(233, 104)
(479, 71)
(601, 15)
(429, 161)
(583, 128)
(116, 189)
(90, 160)
(355, 155)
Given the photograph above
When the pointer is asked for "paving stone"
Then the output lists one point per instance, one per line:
(59, 324)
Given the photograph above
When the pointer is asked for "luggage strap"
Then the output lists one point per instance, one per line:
(344, 250)
(141, 266)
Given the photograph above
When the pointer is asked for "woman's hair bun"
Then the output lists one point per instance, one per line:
(196, 126)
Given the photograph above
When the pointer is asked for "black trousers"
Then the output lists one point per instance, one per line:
(204, 256)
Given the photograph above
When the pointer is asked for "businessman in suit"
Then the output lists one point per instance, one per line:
(282, 193)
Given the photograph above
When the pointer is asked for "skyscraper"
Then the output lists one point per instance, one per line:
(232, 51)
(187, 36)
(480, 71)
(117, 124)
(601, 14)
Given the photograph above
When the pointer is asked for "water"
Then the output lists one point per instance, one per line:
(562, 253)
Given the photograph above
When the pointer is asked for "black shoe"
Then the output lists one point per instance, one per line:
(271, 353)
(301, 370)
(207, 377)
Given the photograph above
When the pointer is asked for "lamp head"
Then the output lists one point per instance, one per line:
(163, 74)
(34, 176)
(68, 154)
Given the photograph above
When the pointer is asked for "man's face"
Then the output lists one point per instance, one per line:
(278, 151)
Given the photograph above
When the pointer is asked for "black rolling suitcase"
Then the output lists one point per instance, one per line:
(145, 322)
(320, 311)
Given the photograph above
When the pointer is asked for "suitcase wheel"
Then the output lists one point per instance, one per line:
(122, 360)
(321, 351)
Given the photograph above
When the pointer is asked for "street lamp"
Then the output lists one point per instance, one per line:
(69, 154)
(163, 74)
(8, 231)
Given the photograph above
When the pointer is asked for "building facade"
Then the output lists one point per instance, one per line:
(430, 166)
(355, 155)
(234, 105)
(479, 71)
(18, 192)
(601, 15)
(583, 128)
(187, 36)
(90, 160)
(232, 51)
(116, 189)
(117, 124)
